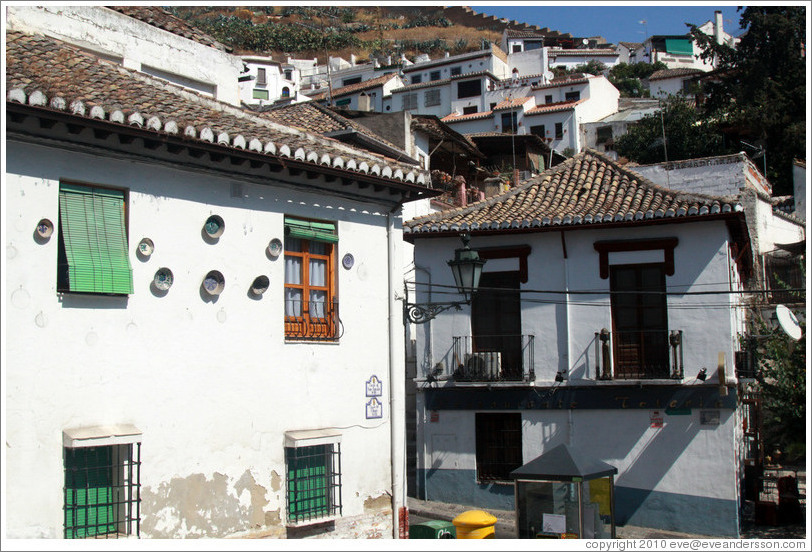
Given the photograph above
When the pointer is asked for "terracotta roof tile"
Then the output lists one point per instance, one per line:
(512, 103)
(553, 107)
(586, 189)
(357, 87)
(670, 73)
(467, 117)
(51, 75)
(158, 17)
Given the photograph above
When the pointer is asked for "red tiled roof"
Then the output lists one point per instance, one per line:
(584, 52)
(469, 117)
(159, 17)
(553, 107)
(586, 189)
(671, 73)
(515, 33)
(357, 87)
(50, 75)
(512, 103)
(563, 82)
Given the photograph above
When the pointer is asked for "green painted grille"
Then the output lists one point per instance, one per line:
(89, 502)
(95, 240)
(313, 482)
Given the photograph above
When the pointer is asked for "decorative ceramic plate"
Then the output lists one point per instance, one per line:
(146, 247)
(214, 283)
(275, 247)
(163, 279)
(45, 228)
(348, 261)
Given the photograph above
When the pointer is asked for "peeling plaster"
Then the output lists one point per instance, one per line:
(379, 503)
(258, 500)
(190, 507)
(276, 481)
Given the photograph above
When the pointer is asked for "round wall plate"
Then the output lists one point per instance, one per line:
(146, 247)
(214, 283)
(275, 247)
(348, 261)
(215, 226)
(260, 285)
(45, 228)
(163, 279)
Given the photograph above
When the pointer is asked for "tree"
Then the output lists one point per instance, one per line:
(628, 78)
(759, 92)
(686, 135)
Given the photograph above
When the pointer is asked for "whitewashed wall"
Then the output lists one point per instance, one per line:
(212, 384)
(141, 45)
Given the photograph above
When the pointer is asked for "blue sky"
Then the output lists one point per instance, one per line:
(613, 21)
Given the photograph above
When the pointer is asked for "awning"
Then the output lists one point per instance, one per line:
(679, 46)
(96, 436)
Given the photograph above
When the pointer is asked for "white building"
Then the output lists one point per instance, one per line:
(673, 82)
(553, 111)
(557, 348)
(572, 58)
(369, 95)
(680, 51)
(600, 135)
(265, 81)
(166, 47)
(197, 373)
(629, 52)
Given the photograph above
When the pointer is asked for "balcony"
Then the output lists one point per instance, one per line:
(498, 358)
(311, 320)
(643, 354)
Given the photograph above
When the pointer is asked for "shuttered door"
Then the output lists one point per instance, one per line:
(95, 239)
(89, 503)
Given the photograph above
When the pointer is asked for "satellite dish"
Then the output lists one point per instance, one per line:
(585, 41)
(788, 322)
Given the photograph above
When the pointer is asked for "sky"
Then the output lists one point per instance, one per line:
(614, 21)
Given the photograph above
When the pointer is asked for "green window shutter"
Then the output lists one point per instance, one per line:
(308, 230)
(89, 503)
(95, 238)
(679, 46)
(309, 485)
(261, 94)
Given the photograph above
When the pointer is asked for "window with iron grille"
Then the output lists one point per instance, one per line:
(92, 252)
(559, 131)
(509, 122)
(572, 96)
(313, 482)
(410, 101)
(311, 308)
(498, 445)
(432, 97)
(102, 493)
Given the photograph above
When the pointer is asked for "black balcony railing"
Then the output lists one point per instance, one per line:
(493, 358)
(639, 354)
(312, 320)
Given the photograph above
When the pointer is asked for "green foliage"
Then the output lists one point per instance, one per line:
(686, 135)
(760, 93)
(592, 67)
(628, 78)
(782, 382)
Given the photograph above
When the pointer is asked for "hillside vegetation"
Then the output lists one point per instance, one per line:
(319, 31)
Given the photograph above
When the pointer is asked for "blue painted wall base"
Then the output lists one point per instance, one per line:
(639, 507)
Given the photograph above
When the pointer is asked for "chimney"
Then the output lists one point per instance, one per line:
(717, 27)
(364, 103)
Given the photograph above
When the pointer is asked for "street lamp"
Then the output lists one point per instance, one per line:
(467, 269)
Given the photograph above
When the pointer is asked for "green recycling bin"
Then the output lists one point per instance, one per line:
(435, 529)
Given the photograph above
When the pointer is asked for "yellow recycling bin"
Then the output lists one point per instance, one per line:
(475, 524)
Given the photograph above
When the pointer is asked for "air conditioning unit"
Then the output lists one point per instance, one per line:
(483, 365)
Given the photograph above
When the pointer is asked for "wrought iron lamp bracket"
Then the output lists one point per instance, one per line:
(422, 313)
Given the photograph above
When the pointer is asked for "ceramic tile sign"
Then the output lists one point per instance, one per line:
(656, 418)
(374, 387)
(374, 409)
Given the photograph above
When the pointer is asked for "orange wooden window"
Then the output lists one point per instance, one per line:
(311, 310)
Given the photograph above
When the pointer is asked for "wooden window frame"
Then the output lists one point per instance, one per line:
(304, 326)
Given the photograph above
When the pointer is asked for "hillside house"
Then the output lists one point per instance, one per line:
(672, 82)
(265, 81)
(586, 330)
(195, 278)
